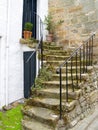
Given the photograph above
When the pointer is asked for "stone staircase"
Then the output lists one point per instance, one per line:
(41, 110)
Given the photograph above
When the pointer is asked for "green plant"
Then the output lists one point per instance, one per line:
(45, 75)
(60, 22)
(49, 23)
(28, 26)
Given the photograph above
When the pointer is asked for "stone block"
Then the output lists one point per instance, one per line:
(90, 69)
(9, 107)
(75, 12)
(93, 96)
(85, 77)
(83, 104)
(81, 99)
(75, 8)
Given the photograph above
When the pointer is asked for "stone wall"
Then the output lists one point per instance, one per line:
(80, 18)
(85, 104)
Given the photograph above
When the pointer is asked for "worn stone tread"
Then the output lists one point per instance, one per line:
(61, 61)
(51, 103)
(64, 75)
(56, 84)
(41, 114)
(69, 68)
(46, 51)
(34, 125)
(55, 93)
(57, 56)
(48, 101)
(56, 90)
(52, 47)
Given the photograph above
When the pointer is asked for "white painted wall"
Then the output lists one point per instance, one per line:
(11, 82)
(3, 25)
(42, 10)
(15, 53)
(11, 51)
(2, 71)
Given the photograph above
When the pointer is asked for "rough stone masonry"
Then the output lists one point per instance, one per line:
(80, 19)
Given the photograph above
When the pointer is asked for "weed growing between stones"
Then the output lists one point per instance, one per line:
(45, 75)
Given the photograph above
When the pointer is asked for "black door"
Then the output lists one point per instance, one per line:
(29, 14)
(29, 72)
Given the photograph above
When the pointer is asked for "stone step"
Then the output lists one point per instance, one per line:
(69, 68)
(52, 47)
(57, 57)
(34, 125)
(53, 104)
(49, 44)
(42, 115)
(55, 93)
(56, 84)
(58, 63)
(53, 69)
(56, 52)
(69, 76)
(95, 44)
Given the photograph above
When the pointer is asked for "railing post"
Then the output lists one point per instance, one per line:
(66, 82)
(72, 74)
(76, 70)
(80, 64)
(86, 55)
(83, 58)
(89, 51)
(41, 42)
(60, 73)
(92, 51)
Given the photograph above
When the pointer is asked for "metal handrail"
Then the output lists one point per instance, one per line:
(39, 46)
(39, 38)
(85, 52)
(74, 52)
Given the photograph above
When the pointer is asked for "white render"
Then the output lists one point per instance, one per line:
(42, 10)
(11, 51)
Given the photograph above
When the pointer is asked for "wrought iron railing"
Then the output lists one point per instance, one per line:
(80, 59)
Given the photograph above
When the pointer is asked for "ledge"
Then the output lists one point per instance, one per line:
(29, 42)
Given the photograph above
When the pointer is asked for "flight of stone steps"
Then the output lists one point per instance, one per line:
(41, 111)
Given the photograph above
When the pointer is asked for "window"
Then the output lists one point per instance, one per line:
(29, 14)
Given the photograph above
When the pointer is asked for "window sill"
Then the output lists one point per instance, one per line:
(28, 42)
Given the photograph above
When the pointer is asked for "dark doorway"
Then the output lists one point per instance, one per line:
(29, 14)
(29, 72)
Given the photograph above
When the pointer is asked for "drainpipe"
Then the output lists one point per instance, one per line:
(7, 55)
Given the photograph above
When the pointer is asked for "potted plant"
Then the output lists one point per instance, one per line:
(49, 27)
(28, 30)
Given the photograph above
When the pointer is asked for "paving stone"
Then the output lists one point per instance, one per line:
(34, 125)
(6, 108)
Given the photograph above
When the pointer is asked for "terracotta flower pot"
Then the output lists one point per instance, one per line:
(49, 37)
(27, 34)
